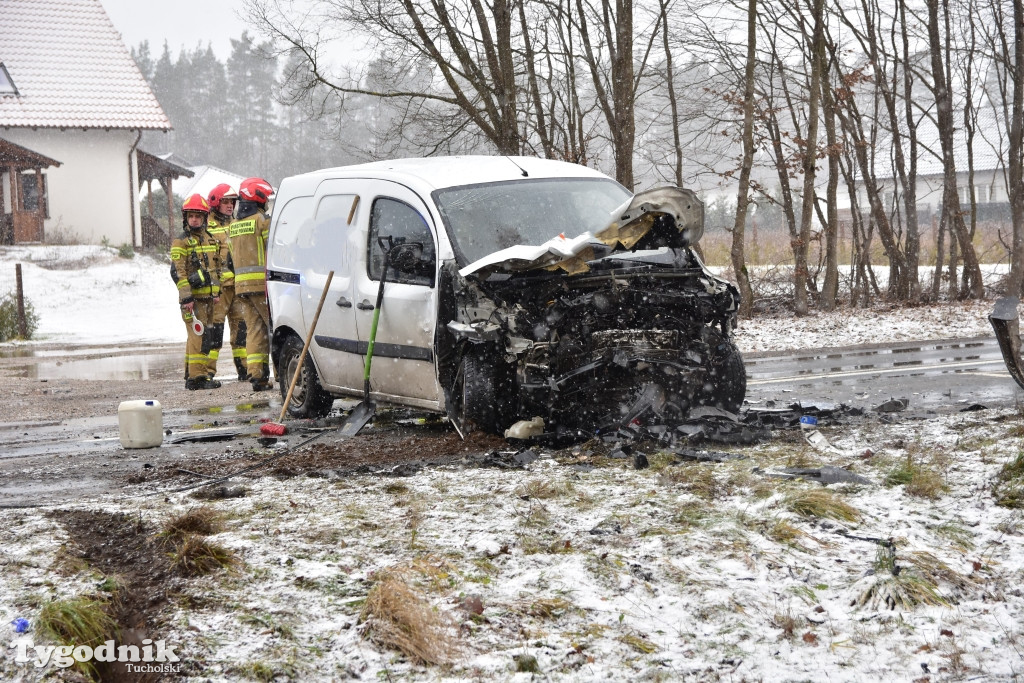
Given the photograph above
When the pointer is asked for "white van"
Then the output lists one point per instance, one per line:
(524, 287)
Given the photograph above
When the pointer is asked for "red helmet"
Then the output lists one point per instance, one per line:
(222, 191)
(255, 190)
(195, 203)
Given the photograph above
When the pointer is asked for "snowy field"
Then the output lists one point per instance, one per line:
(579, 567)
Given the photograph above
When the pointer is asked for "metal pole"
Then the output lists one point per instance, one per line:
(22, 324)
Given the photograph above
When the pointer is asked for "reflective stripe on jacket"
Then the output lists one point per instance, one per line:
(247, 239)
(218, 229)
(191, 251)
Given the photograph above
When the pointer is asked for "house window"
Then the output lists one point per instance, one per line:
(7, 86)
(30, 193)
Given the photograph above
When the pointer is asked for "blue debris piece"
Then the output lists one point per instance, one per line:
(809, 420)
(20, 625)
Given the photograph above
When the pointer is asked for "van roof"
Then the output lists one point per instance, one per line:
(441, 172)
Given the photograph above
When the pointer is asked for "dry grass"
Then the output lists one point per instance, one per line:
(917, 479)
(543, 488)
(202, 521)
(906, 587)
(639, 643)
(196, 556)
(821, 503)
(1009, 485)
(397, 616)
(698, 479)
(906, 590)
(787, 623)
(546, 608)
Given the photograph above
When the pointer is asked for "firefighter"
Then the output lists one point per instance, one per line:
(195, 259)
(222, 206)
(247, 236)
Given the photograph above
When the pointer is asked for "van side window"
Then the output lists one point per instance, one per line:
(324, 245)
(294, 220)
(403, 224)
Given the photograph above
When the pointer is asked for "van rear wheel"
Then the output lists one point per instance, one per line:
(308, 398)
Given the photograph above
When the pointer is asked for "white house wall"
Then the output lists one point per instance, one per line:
(90, 193)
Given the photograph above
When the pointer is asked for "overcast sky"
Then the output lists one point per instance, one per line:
(181, 23)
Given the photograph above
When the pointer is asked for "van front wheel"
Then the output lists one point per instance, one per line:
(481, 392)
(308, 398)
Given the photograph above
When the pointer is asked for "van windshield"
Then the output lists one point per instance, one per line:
(482, 219)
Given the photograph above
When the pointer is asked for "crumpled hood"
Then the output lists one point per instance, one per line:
(676, 212)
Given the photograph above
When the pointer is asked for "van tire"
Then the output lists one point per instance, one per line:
(308, 398)
(479, 387)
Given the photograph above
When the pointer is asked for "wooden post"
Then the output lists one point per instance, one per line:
(166, 184)
(22, 323)
(40, 207)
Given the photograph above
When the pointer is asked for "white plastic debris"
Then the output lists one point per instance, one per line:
(524, 429)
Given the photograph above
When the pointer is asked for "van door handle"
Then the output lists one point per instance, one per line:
(344, 303)
(364, 306)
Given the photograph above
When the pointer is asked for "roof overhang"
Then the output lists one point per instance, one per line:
(22, 158)
(152, 167)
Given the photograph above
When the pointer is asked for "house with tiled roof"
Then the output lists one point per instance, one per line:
(74, 102)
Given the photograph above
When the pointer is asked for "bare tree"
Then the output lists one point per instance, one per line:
(944, 115)
(739, 265)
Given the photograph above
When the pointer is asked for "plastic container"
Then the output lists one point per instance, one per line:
(142, 424)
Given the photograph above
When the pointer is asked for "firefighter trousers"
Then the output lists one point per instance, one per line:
(229, 309)
(195, 348)
(257, 335)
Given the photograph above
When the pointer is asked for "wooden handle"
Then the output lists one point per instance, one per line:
(305, 347)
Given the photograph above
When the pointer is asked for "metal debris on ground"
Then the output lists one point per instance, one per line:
(823, 475)
(689, 454)
(893, 405)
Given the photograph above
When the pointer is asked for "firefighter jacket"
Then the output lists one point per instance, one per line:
(218, 229)
(195, 256)
(248, 246)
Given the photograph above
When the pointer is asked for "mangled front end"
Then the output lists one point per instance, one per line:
(624, 325)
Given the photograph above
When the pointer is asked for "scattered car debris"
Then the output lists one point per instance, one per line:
(893, 405)
(689, 454)
(525, 429)
(823, 475)
(210, 435)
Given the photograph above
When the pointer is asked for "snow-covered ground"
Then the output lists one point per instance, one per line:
(578, 564)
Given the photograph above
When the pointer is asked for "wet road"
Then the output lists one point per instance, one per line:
(942, 376)
(35, 457)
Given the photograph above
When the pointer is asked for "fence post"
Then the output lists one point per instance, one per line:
(22, 324)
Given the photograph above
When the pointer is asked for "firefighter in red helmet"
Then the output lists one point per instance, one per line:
(222, 206)
(248, 239)
(195, 260)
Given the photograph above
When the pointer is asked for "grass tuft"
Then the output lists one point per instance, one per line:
(202, 521)
(196, 556)
(397, 616)
(543, 488)
(82, 620)
(641, 645)
(916, 479)
(816, 503)
(1009, 486)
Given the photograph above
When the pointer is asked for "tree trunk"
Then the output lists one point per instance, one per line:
(1015, 282)
(739, 265)
(944, 115)
(810, 159)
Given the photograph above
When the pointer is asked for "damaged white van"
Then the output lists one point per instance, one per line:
(515, 287)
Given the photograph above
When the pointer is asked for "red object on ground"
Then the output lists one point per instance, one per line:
(273, 429)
